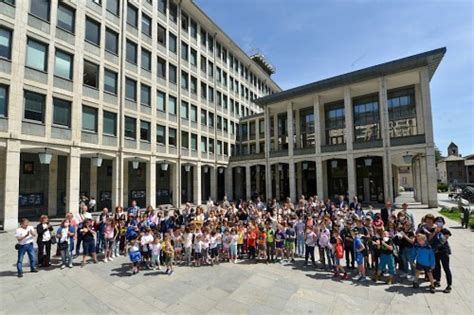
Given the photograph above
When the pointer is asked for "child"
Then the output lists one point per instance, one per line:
(262, 239)
(188, 243)
(359, 249)
(290, 239)
(122, 242)
(145, 242)
(205, 246)
(270, 244)
(279, 242)
(339, 255)
(240, 241)
(251, 241)
(109, 231)
(134, 255)
(423, 255)
(178, 244)
(387, 260)
(197, 250)
(155, 252)
(233, 246)
(213, 248)
(169, 254)
(226, 245)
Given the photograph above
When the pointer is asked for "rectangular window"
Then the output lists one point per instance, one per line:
(194, 140)
(146, 25)
(161, 65)
(172, 136)
(145, 95)
(194, 113)
(130, 128)
(184, 80)
(210, 42)
(40, 8)
(194, 29)
(211, 94)
(160, 134)
(110, 123)
(335, 123)
(172, 42)
(402, 112)
(203, 37)
(66, 18)
(219, 147)
(132, 15)
(91, 74)
(61, 112)
(131, 52)
(3, 101)
(173, 10)
(144, 130)
(184, 110)
(184, 51)
(203, 117)
(130, 89)
(203, 91)
(113, 7)
(111, 41)
(161, 101)
(89, 118)
(162, 6)
(63, 64)
(5, 43)
(172, 105)
(34, 106)
(110, 81)
(366, 118)
(203, 64)
(92, 31)
(211, 145)
(37, 55)
(172, 73)
(211, 69)
(194, 85)
(161, 35)
(194, 57)
(184, 139)
(203, 144)
(184, 22)
(146, 60)
(211, 120)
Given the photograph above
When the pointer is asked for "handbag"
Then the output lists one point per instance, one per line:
(17, 246)
(53, 239)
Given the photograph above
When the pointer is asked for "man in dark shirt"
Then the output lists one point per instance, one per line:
(386, 213)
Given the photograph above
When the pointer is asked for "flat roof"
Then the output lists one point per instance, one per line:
(430, 58)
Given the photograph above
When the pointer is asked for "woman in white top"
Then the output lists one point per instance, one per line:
(44, 230)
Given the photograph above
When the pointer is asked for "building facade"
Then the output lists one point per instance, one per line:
(346, 135)
(117, 100)
(456, 170)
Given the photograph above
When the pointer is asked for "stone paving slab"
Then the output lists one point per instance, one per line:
(108, 288)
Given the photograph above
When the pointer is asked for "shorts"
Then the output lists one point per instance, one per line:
(338, 261)
(88, 247)
(146, 254)
(168, 260)
(214, 252)
(197, 255)
(135, 257)
(360, 259)
(279, 245)
(423, 268)
(289, 245)
(109, 243)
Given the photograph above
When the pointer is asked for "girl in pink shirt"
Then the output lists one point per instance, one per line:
(109, 233)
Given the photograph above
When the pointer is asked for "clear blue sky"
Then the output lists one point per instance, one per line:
(309, 40)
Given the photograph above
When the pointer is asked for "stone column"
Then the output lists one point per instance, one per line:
(93, 182)
(432, 188)
(426, 100)
(53, 187)
(420, 124)
(175, 179)
(248, 188)
(268, 181)
(73, 180)
(423, 180)
(292, 177)
(12, 185)
(213, 175)
(228, 183)
(320, 178)
(117, 197)
(197, 183)
(268, 139)
(349, 121)
(151, 182)
(351, 175)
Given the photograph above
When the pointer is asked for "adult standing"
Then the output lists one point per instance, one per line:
(386, 212)
(133, 210)
(65, 237)
(88, 245)
(100, 224)
(25, 235)
(83, 215)
(44, 230)
(442, 250)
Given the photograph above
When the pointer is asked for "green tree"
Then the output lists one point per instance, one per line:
(438, 156)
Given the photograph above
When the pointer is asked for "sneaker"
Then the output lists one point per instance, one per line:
(70, 265)
(170, 273)
(365, 279)
(34, 270)
(403, 275)
(448, 289)
(110, 259)
(357, 278)
(63, 266)
(410, 278)
(20, 275)
(437, 284)
(432, 289)
(345, 276)
(390, 280)
(106, 260)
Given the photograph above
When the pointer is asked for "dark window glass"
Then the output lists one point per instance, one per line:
(146, 25)
(160, 101)
(61, 112)
(184, 110)
(366, 118)
(402, 112)
(89, 118)
(92, 31)
(5, 43)
(203, 37)
(91, 74)
(194, 142)
(184, 140)
(184, 51)
(131, 52)
(110, 123)
(160, 134)
(63, 64)
(113, 6)
(161, 64)
(66, 17)
(3, 101)
(194, 57)
(184, 22)
(110, 81)
(37, 55)
(130, 89)
(203, 117)
(40, 8)
(172, 73)
(130, 127)
(34, 106)
(210, 42)
(203, 64)
(146, 59)
(172, 105)
(193, 85)
(145, 95)
(144, 130)
(194, 113)
(203, 144)
(193, 29)
(162, 6)
(161, 35)
(335, 123)
(132, 15)
(172, 43)
(172, 136)
(184, 80)
(173, 12)
(111, 41)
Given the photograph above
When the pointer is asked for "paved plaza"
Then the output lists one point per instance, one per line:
(227, 288)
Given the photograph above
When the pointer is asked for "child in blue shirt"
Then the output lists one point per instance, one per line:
(359, 250)
(424, 257)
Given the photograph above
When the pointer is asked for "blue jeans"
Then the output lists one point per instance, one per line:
(387, 262)
(406, 261)
(27, 248)
(329, 257)
(300, 244)
(66, 255)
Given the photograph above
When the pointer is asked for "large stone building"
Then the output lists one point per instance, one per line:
(118, 100)
(456, 170)
(346, 135)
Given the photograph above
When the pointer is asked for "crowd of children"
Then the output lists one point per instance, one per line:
(388, 243)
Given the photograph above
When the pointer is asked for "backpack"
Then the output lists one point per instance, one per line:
(339, 250)
(131, 233)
